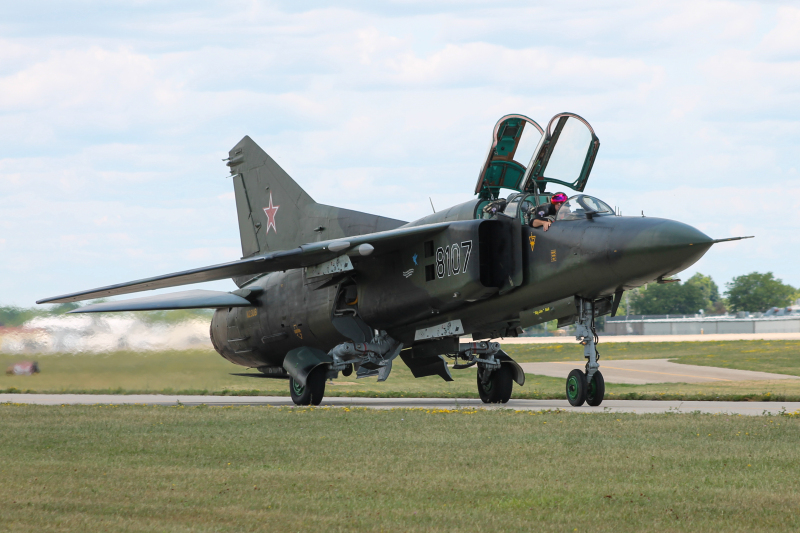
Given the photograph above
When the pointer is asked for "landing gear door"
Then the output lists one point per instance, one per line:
(514, 141)
(565, 155)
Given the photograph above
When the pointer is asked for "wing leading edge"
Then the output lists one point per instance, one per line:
(195, 299)
(302, 256)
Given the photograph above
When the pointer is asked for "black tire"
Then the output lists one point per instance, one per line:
(576, 388)
(484, 389)
(504, 383)
(596, 390)
(314, 390)
(499, 386)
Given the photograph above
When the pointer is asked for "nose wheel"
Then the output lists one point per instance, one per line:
(596, 390)
(579, 390)
(576, 388)
(588, 387)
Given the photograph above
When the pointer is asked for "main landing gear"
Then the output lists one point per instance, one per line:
(314, 390)
(495, 386)
(589, 386)
(496, 371)
(372, 358)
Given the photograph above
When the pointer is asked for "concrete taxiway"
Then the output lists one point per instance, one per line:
(643, 371)
(612, 406)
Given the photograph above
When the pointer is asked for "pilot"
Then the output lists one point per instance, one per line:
(544, 215)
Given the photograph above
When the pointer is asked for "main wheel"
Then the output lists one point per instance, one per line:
(484, 389)
(596, 389)
(314, 390)
(576, 387)
(499, 386)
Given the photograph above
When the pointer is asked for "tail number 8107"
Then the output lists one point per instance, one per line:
(448, 259)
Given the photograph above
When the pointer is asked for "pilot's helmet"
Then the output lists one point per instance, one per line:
(558, 198)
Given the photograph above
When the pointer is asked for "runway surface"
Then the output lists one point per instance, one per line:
(643, 371)
(613, 406)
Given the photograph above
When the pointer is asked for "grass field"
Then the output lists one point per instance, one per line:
(138, 468)
(204, 371)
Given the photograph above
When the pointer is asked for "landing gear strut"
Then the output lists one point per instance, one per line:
(586, 387)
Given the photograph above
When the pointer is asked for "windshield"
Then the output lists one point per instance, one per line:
(576, 208)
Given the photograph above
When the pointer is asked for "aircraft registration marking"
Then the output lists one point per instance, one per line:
(552, 256)
(448, 259)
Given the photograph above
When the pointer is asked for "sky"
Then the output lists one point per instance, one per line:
(115, 118)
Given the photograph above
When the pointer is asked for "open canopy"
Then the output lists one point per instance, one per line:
(524, 158)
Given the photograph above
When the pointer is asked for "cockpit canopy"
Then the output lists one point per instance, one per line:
(523, 157)
(582, 205)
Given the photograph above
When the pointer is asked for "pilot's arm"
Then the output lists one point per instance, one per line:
(542, 217)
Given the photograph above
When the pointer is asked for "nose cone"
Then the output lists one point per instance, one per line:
(650, 247)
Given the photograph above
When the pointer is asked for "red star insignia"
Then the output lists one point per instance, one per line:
(270, 212)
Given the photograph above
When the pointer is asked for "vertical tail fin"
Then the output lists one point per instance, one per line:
(275, 213)
(271, 206)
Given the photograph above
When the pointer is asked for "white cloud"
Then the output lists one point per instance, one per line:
(114, 122)
(783, 40)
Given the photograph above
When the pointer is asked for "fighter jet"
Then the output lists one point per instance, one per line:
(324, 290)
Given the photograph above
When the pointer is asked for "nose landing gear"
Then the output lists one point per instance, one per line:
(588, 387)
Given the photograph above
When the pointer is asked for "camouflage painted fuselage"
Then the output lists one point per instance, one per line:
(493, 275)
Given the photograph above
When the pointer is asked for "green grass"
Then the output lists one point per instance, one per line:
(205, 372)
(782, 357)
(136, 468)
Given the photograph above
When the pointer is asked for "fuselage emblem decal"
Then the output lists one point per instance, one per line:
(532, 240)
(408, 273)
(270, 212)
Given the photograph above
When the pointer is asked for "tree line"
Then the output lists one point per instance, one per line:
(754, 292)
